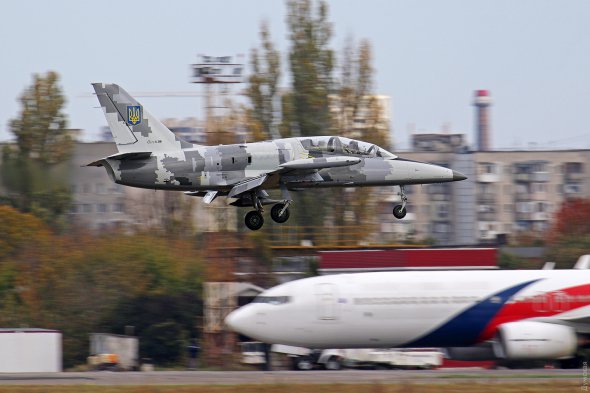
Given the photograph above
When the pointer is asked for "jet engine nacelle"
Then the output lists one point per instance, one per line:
(535, 340)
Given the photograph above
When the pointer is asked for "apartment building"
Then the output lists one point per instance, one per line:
(508, 191)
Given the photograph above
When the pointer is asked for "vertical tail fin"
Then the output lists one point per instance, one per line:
(134, 129)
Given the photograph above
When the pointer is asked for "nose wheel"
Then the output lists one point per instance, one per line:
(399, 211)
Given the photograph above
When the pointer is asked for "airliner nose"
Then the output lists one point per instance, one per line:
(458, 176)
(233, 321)
(237, 321)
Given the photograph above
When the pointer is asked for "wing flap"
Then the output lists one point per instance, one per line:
(247, 185)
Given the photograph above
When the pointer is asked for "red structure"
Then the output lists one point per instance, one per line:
(408, 259)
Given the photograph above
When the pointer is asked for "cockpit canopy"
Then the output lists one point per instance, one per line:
(344, 146)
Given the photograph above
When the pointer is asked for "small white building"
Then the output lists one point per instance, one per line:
(30, 350)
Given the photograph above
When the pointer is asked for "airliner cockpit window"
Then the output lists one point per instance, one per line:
(275, 300)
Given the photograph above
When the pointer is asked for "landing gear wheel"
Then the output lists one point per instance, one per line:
(254, 220)
(399, 212)
(303, 363)
(333, 363)
(275, 213)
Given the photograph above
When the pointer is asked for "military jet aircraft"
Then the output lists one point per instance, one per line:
(151, 156)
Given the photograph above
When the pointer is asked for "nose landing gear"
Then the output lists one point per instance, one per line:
(399, 211)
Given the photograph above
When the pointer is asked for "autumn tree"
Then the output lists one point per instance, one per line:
(311, 62)
(569, 236)
(80, 284)
(354, 99)
(262, 87)
(35, 171)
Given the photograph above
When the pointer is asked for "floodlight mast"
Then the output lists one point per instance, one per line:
(216, 73)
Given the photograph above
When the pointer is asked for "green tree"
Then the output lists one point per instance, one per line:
(35, 172)
(263, 86)
(354, 99)
(311, 63)
(306, 109)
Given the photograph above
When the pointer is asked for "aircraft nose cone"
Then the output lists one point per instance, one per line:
(237, 321)
(233, 321)
(458, 176)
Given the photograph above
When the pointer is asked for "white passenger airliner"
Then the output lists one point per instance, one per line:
(518, 314)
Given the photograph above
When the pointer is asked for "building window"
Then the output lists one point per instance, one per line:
(488, 168)
(118, 208)
(101, 208)
(539, 187)
(86, 188)
(86, 208)
(574, 167)
(74, 209)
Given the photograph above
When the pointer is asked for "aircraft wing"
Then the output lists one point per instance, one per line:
(247, 185)
(304, 169)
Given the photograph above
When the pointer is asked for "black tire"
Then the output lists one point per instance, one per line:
(254, 220)
(399, 212)
(274, 213)
(333, 363)
(303, 363)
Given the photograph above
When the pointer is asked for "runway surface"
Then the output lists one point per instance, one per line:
(284, 377)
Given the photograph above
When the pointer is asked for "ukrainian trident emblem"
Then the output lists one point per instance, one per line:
(134, 115)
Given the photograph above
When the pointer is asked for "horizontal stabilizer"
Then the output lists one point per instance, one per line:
(122, 157)
(321, 162)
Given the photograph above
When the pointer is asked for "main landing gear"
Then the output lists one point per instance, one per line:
(279, 212)
(399, 211)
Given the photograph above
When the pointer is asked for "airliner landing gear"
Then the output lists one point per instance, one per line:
(280, 212)
(399, 211)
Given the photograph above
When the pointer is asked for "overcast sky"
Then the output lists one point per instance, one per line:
(430, 55)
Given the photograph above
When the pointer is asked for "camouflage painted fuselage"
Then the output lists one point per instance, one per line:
(221, 167)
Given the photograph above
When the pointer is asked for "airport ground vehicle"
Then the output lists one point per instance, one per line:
(113, 352)
(380, 358)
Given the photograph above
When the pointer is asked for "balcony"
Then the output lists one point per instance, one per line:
(522, 197)
(533, 177)
(487, 198)
(486, 216)
(440, 197)
(524, 216)
(488, 178)
(574, 176)
(540, 216)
